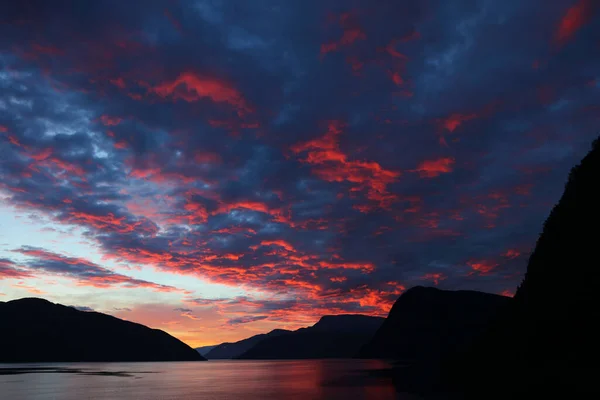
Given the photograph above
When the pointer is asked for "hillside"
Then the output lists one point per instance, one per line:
(36, 330)
(334, 336)
(547, 341)
(426, 322)
(233, 350)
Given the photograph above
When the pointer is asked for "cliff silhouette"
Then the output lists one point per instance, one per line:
(36, 330)
(427, 322)
(548, 339)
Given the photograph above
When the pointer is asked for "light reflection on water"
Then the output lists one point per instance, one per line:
(212, 380)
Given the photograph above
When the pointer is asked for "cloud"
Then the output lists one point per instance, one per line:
(332, 165)
(9, 270)
(84, 308)
(197, 87)
(573, 20)
(82, 271)
(433, 168)
(246, 320)
(384, 147)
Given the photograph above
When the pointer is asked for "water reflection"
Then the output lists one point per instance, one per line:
(215, 380)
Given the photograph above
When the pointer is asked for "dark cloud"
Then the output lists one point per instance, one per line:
(334, 152)
(84, 272)
(84, 308)
(246, 320)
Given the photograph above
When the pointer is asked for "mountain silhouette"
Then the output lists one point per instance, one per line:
(205, 349)
(426, 322)
(334, 336)
(548, 340)
(36, 330)
(233, 350)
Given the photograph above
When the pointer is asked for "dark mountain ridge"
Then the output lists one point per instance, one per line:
(36, 330)
(426, 322)
(233, 350)
(203, 350)
(333, 336)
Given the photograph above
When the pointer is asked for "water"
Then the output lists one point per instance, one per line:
(212, 380)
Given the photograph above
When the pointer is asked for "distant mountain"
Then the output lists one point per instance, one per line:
(426, 322)
(548, 340)
(205, 349)
(236, 349)
(334, 336)
(36, 330)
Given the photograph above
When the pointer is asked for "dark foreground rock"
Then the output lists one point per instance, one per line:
(427, 322)
(548, 339)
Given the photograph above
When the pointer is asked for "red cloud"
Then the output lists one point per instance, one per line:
(481, 267)
(278, 214)
(42, 154)
(455, 120)
(351, 33)
(396, 78)
(396, 72)
(8, 270)
(332, 165)
(85, 272)
(391, 50)
(434, 277)
(109, 222)
(381, 299)
(365, 267)
(235, 230)
(55, 165)
(338, 279)
(512, 253)
(151, 170)
(280, 243)
(118, 82)
(14, 140)
(110, 121)
(190, 87)
(69, 167)
(197, 212)
(433, 168)
(575, 18)
(120, 145)
(488, 206)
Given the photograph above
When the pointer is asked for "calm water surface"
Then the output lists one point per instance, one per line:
(212, 380)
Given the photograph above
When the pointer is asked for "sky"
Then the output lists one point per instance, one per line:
(219, 169)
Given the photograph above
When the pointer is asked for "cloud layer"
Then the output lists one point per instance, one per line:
(326, 154)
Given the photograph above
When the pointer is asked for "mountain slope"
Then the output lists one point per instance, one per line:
(36, 330)
(334, 336)
(425, 322)
(205, 349)
(548, 340)
(233, 350)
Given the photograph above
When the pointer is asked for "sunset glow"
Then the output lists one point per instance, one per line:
(221, 169)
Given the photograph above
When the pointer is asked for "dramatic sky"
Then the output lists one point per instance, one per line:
(222, 168)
